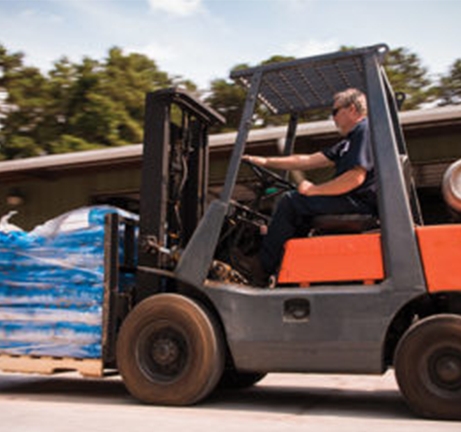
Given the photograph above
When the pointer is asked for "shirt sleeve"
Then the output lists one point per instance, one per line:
(334, 152)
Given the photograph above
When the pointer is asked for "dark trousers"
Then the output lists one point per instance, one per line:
(292, 219)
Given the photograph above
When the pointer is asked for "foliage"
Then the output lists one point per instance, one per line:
(407, 75)
(449, 88)
(228, 99)
(77, 106)
(100, 103)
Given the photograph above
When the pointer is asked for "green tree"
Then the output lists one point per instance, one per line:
(77, 106)
(106, 101)
(22, 107)
(69, 97)
(127, 78)
(449, 87)
(407, 74)
(228, 99)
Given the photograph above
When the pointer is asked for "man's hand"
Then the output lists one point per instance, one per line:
(257, 160)
(343, 184)
(305, 187)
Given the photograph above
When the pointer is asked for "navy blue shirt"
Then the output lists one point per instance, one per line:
(355, 150)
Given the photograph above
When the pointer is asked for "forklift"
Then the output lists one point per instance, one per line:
(367, 295)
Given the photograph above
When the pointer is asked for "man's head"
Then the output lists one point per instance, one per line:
(349, 107)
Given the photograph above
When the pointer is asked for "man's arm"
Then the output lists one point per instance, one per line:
(293, 162)
(340, 185)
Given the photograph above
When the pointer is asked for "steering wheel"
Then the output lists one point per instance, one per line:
(269, 178)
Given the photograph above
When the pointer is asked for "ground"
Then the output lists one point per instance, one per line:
(288, 402)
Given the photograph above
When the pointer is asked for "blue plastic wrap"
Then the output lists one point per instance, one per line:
(52, 286)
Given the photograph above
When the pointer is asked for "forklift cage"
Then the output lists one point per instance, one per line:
(305, 84)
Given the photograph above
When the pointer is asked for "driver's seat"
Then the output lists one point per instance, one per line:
(343, 224)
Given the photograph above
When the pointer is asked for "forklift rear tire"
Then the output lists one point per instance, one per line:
(170, 351)
(428, 367)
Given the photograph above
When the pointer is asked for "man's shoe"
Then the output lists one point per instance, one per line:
(252, 268)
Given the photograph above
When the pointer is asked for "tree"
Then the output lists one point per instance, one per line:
(127, 78)
(77, 106)
(100, 103)
(22, 110)
(228, 99)
(407, 74)
(449, 87)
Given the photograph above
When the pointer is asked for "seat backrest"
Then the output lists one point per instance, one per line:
(344, 224)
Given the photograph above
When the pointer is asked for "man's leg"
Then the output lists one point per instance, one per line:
(292, 213)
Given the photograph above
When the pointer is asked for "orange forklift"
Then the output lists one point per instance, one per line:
(367, 295)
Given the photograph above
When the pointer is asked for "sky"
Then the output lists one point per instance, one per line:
(201, 40)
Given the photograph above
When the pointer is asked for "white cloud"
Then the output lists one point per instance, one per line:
(177, 7)
(156, 51)
(34, 14)
(298, 3)
(311, 47)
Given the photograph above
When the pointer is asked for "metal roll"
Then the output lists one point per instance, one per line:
(451, 186)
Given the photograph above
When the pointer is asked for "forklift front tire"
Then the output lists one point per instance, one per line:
(169, 351)
(428, 366)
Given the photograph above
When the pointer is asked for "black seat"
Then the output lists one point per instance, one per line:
(343, 224)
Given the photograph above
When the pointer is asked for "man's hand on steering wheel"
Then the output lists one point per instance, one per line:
(267, 177)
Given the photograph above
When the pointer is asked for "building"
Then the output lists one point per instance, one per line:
(43, 187)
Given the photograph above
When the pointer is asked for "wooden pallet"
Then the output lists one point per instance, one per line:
(49, 365)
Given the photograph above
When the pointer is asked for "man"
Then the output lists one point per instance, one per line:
(352, 190)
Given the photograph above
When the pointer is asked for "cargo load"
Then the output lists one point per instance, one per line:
(52, 285)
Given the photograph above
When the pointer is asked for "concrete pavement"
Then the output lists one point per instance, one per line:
(280, 402)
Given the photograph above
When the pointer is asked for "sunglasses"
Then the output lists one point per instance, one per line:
(335, 111)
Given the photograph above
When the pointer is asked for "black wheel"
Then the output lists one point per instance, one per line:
(169, 351)
(232, 379)
(428, 366)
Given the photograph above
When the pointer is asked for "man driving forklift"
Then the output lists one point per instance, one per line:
(352, 189)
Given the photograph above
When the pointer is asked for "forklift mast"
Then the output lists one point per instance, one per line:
(173, 194)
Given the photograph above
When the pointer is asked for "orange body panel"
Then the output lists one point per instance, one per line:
(440, 247)
(340, 258)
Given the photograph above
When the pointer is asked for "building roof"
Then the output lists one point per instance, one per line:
(52, 164)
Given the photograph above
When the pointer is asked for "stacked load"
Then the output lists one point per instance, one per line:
(52, 286)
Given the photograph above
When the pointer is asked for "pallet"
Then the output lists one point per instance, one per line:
(49, 365)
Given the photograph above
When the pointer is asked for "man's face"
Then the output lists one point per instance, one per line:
(344, 117)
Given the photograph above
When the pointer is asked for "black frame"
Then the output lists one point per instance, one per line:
(156, 212)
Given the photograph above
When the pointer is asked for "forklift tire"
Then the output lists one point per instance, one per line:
(428, 367)
(170, 351)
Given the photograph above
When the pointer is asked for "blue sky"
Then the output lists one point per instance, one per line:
(203, 39)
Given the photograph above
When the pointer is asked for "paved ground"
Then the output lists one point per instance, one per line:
(68, 403)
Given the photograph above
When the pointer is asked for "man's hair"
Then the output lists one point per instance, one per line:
(352, 96)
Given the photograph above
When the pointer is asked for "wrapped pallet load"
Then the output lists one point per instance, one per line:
(52, 285)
